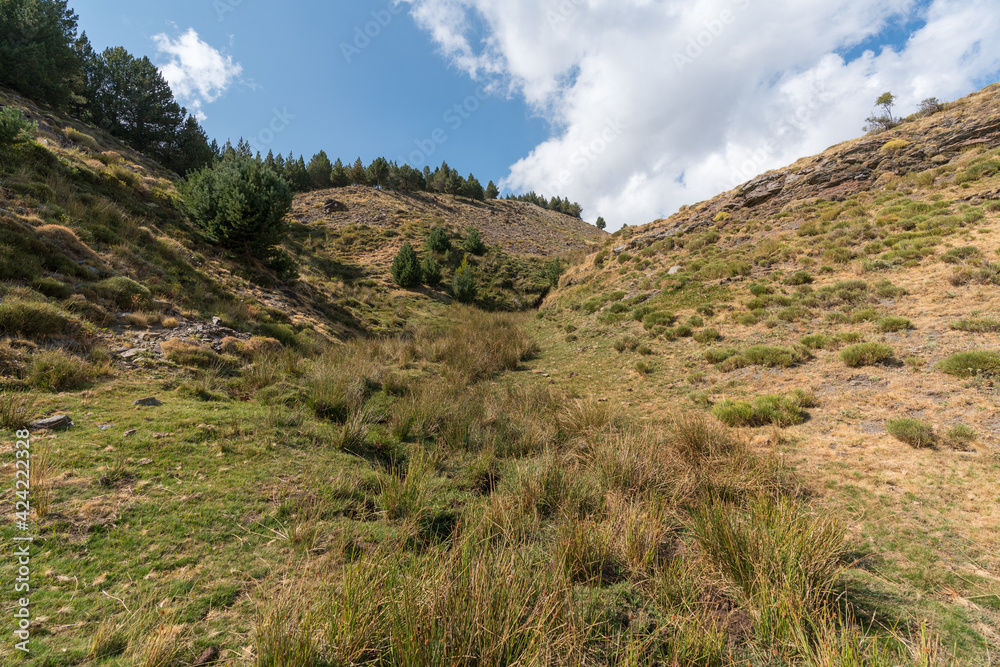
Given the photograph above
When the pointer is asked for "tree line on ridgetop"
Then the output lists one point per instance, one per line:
(43, 58)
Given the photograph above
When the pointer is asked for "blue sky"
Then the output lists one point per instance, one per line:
(376, 101)
(631, 107)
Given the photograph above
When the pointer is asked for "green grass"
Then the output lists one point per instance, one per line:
(866, 354)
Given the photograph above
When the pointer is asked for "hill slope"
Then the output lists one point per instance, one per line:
(752, 306)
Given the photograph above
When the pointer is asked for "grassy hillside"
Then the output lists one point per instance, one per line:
(845, 322)
(737, 436)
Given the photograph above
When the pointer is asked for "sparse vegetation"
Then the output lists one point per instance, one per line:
(912, 431)
(866, 354)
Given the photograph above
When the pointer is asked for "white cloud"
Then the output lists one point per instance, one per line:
(706, 94)
(197, 73)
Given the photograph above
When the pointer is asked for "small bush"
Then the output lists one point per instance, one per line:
(53, 288)
(977, 325)
(764, 410)
(771, 356)
(969, 364)
(123, 292)
(718, 355)
(959, 255)
(189, 353)
(960, 436)
(799, 278)
(55, 370)
(912, 431)
(14, 127)
(866, 354)
(707, 336)
(32, 319)
(893, 323)
(657, 318)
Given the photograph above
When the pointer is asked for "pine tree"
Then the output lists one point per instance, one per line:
(190, 150)
(38, 50)
(472, 189)
(338, 175)
(240, 204)
(438, 240)
(405, 267)
(319, 171)
(357, 173)
(378, 172)
(463, 284)
(473, 242)
(431, 271)
(601, 224)
(492, 192)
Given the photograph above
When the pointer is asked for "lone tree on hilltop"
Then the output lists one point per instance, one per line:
(600, 224)
(884, 122)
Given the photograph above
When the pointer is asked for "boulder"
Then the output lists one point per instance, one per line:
(51, 423)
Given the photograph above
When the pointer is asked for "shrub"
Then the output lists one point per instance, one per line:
(55, 370)
(718, 355)
(240, 204)
(431, 271)
(188, 353)
(960, 435)
(406, 267)
(912, 431)
(438, 240)
(977, 325)
(886, 290)
(865, 354)
(473, 242)
(969, 364)
(463, 284)
(707, 335)
(639, 314)
(799, 278)
(32, 319)
(764, 410)
(51, 287)
(959, 255)
(657, 318)
(123, 292)
(771, 355)
(893, 323)
(14, 127)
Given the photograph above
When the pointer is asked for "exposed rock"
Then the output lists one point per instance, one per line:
(334, 206)
(674, 270)
(148, 402)
(51, 423)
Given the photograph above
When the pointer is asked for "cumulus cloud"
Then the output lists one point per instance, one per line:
(197, 73)
(659, 103)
